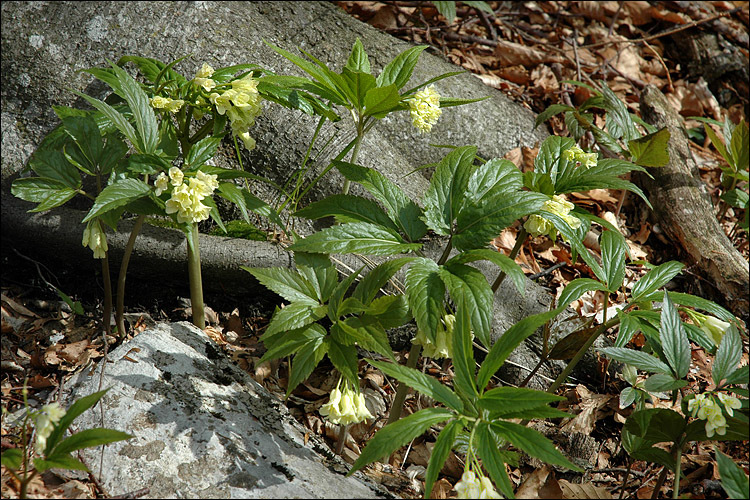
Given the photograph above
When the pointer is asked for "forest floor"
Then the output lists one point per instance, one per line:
(526, 50)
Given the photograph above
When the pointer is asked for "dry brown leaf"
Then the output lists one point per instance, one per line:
(18, 307)
(514, 54)
(584, 490)
(590, 405)
(599, 11)
(517, 74)
(540, 484)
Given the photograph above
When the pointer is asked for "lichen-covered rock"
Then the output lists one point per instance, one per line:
(203, 428)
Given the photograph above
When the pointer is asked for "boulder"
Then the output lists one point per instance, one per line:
(202, 427)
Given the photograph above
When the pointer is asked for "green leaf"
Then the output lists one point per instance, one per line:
(492, 459)
(447, 10)
(116, 195)
(202, 151)
(397, 434)
(468, 284)
(319, 271)
(733, 479)
(371, 284)
(307, 358)
(578, 287)
(736, 198)
(728, 355)
(358, 60)
(685, 299)
(58, 462)
(344, 358)
(369, 336)
(75, 410)
(11, 458)
(421, 382)
(425, 291)
(390, 311)
(379, 101)
(355, 237)
(399, 70)
(49, 193)
(440, 453)
(337, 296)
(53, 165)
(738, 376)
(718, 144)
(532, 442)
(143, 113)
(656, 425)
(478, 224)
(655, 279)
(737, 430)
(445, 194)
(153, 69)
(661, 382)
(651, 150)
(463, 353)
(402, 210)
(89, 438)
(495, 177)
(85, 133)
(674, 339)
(550, 156)
(348, 208)
(511, 339)
(505, 263)
(638, 359)
(359, 85)
(551, 111)
(293, 316)
(287, 283)
(739, 146)
(293, 341)
(503, 400)
(629, 326)
(613, 258)
(117, 119)
(619, 122)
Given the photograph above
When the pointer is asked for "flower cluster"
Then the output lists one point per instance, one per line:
(45, 422)
(171, 105)
(714, 327)
(704, 407)
(345, 406)
(186, 199)
(203, 78)
(95, 239)
(471, 486)
(241, 104)
(443, 346)
(537, 225)
(425, 109)
(580, 157)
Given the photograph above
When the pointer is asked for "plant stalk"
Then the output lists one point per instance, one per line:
(355, 153)
(196, 282)
(398, 400)
(107, 295)
(119, 314)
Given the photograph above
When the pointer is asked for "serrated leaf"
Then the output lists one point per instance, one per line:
(638, 359)
(355, 237)
(445, 194)
(733, 479)
(49, 193)
(293, 316)
(629, 326)
(503, 400)
(651, 150)
(505, 263)
(202, 151)
(379, 101)
(656, 425)
(305, 361)
(85, 133)
(402, 210)
(117, 119)
(399, 70)
(739, 146)
(495, 177)
(143, 113)
(358, 60)
(421, 382)
(390, 311)
(368, 335)
(87, 439)
(477, 225)
(58, 462)
(654, 279)
(319, 271)
(613, 258)
(551, 111)
(578, 287)
(511, 339)
(468, 284)
(116, 195)
(12, 458)
(337, 296)
(728, 355)
(492, 459)
(440, 453)
(293, 341)
(738, 376)
(463, 352)
(344, 358)
(568, 346)
(53, 165)
(674, 339)
(550, 156)
(397, 434)
(661, 382)
(446, 9)
(532, 442)
(347, 208)
(370, 285)
(425, 291)
(289, 284)
(359, 84)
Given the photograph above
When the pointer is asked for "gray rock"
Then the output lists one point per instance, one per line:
(203, 428)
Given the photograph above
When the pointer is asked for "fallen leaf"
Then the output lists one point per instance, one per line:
(590, 405)
(540, 484)
(584, 490)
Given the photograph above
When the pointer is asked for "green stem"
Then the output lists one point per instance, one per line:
(107, 294)
(355, 153)
(520, 239)
(196, 283)
(398, 401)
(677, 468)
(446, 252)
(119, 314)
(625, 480)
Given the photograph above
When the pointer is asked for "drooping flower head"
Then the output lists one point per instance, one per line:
(95, 239)
(203, 77)
(425, 109)
(537, 225)
(171, 105)
(580, 157)
(345, 406)
(44, 423)
(242, 104)
(187, 198)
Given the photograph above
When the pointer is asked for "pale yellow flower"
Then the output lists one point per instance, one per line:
(730, 403)
(537, 225)
(443, 345)
(161, 183)
(579, 156)
(206, 71)
(345, 406)
(45, 422)
(715, 327)
(558, 205)
(95, 239)
(488, 489)
(175, 176)
(203, 77)
(247, 140)
(171, 105)
(425, 109)
(469, 485)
